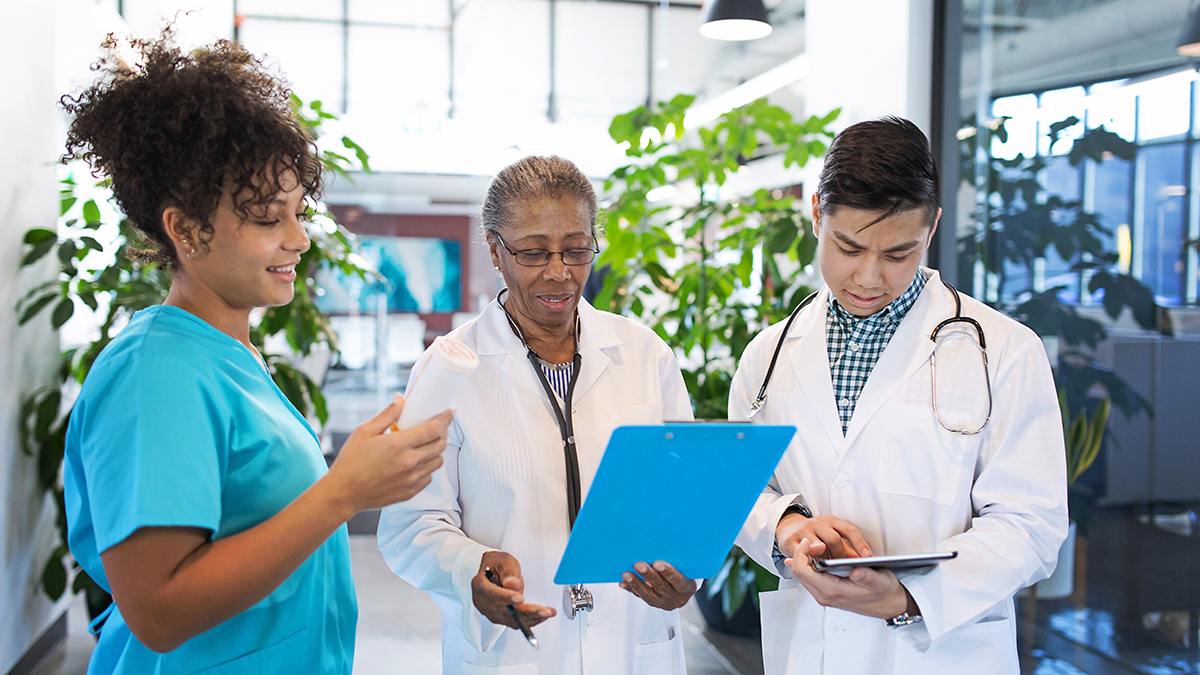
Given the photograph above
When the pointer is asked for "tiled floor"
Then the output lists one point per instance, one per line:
(1137, 610)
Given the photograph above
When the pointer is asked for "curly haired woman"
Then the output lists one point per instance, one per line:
(195, 492)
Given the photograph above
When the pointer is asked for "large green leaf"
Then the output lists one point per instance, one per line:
(38, 251)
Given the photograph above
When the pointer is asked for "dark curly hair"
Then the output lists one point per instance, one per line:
(176, 129)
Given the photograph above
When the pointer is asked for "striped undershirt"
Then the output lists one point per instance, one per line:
(559, 376)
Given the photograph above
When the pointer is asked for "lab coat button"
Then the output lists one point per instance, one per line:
(836, 629)
(573, 411)
(840, 480)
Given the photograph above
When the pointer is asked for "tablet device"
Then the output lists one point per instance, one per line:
(842, 566)
(673, 492)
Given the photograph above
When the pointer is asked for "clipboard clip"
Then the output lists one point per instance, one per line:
(576, 599)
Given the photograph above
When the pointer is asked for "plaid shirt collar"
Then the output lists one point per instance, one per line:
(856, 343)
(891, 315)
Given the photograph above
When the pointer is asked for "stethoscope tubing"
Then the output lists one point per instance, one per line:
(759, 401)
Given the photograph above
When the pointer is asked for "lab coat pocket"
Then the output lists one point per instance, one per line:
(657, 658)
(919, 458)
(986, 648)
(518, 669)
(778, 610)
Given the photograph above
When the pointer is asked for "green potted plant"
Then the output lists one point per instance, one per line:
(94, 271)
(707, 275)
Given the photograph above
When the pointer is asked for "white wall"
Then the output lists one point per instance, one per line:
(28, 198)
(871, 58)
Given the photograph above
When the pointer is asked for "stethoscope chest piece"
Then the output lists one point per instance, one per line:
(576, 599)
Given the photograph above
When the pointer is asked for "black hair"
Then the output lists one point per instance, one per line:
(172, 128)
(536, 177)
(882, 165)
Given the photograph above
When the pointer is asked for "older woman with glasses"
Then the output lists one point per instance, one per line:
(556, 377)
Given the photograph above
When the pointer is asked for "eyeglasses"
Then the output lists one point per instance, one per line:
(540, 257)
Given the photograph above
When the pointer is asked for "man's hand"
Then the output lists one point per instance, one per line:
(829, 537)
(866, 591)
(664, 587)
(492, 601)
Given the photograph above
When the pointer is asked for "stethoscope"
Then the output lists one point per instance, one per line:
(759, 401)
(576, 598)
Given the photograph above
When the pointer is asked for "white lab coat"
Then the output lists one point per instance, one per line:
(503, 487)
(999, 498)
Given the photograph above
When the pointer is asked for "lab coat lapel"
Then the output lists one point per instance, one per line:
(810, 364)
(907, 351)
(595, 336)
(496, 340)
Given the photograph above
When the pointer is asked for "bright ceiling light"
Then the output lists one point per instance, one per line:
(736, 20)
(774, 79)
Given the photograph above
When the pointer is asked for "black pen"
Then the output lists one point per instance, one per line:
(495, 579)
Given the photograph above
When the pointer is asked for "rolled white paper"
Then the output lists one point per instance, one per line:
(437, 386)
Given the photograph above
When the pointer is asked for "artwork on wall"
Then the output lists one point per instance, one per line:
(423, 274)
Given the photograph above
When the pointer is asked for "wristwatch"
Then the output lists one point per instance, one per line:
(904, 619)
(797, 508)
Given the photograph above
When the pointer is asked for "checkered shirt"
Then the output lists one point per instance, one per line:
(855, 344)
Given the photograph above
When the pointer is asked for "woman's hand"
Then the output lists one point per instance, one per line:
(492, 601)
(660, 585)
(830, 537)
(376, 468)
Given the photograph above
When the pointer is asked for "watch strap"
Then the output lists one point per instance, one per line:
(904, 619)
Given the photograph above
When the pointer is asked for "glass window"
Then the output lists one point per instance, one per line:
(400, 73)
(1159, 236)
(601, 59)
(1164, 108)
(307, 9)
(503, 73)
(1056, 105)
(1022, 128)
(409, 12)
(1193, 258)
(1112, 195)
(1109, 108)
(308, 53)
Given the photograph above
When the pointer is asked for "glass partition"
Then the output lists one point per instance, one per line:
(1077, 212)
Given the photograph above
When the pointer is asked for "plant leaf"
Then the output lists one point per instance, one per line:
(54, 578)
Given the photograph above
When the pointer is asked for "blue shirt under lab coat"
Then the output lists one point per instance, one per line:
(178, 424)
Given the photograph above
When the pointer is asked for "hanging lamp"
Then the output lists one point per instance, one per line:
(735, 20)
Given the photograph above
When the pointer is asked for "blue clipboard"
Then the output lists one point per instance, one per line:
(673, 492)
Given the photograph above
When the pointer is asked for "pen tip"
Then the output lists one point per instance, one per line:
(533, 641)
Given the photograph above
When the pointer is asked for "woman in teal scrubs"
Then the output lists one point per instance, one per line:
(195, 492)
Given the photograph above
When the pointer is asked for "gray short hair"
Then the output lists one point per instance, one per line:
(535, 177)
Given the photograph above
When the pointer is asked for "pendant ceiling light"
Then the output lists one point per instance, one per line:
(735, 20)
(1189, 39)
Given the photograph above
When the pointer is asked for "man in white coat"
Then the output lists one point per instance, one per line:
(879, 466)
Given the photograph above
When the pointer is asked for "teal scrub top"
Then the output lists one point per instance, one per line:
(178, 424)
